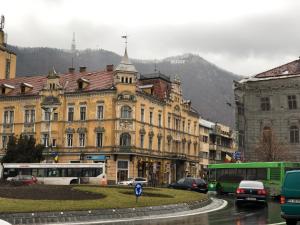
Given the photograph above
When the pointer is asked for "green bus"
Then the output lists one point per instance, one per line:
(225, 177)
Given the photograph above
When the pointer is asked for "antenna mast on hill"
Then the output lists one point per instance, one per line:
(73, 46)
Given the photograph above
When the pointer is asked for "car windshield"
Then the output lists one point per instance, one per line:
(251, 184)
(292, 181)
(180, 181)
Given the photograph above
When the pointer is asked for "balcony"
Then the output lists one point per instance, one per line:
(215, 147)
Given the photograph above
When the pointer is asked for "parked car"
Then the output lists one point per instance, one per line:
(290, 197)
(190, 183)
(23, 179)
(134, 181)
(251, 191)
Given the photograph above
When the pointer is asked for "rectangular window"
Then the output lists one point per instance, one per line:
(69, 140)
(7, 71)
(53, 142)
(292, 102)
(159, 143)
(100, 112)
(150, 142)
(99, 139)
(81, 139)
(189, 127)
(159, 120)
(265, 104)
(4, 141)
(45, 140)
(8, 117)
(151, 118)
(143, 115)
(47, 115)
(122, 173)
(32, 116)
(183, 126)
(169, 121)
(142, 140)
(70, 114)
(55, 116)
(27, 116)
(82, 113)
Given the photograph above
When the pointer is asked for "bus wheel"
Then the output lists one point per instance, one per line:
(74, 181)
(219, 189)
(291, 222)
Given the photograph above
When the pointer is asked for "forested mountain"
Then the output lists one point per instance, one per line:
(208, 86)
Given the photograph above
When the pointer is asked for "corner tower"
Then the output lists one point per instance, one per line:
(8, 59)
(125, 75)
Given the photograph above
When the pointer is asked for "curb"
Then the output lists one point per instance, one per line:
(100, 214)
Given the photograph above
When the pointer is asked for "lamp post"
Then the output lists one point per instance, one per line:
(49, 110)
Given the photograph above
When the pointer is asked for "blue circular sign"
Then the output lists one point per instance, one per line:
(138, 190)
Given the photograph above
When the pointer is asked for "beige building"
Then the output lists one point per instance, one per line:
(140, 125)
(7, 57)
(218, 142)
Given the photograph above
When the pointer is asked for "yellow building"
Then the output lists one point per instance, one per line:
(7, 57)
(139, 124)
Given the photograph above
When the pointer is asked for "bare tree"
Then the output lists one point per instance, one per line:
(269, 149)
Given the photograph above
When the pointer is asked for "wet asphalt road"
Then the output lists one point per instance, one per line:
(248, 215)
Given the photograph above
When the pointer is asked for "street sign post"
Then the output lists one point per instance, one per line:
(138, 190)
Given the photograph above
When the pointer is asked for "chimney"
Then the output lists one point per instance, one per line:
(71, 69)
(109, 68)
(82, 69)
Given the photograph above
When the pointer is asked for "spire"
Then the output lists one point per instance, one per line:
(52, 74)
(125, 64)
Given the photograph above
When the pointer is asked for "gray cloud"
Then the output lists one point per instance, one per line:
(246, 46)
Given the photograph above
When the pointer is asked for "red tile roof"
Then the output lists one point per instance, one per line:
(289, 69)
(97, 81)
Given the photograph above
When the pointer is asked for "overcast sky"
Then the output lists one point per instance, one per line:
(242, 36)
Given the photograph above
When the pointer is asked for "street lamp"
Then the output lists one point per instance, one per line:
(49, 110)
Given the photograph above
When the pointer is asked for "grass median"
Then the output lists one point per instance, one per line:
(110, 197)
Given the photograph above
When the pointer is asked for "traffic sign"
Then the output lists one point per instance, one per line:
(138, 190)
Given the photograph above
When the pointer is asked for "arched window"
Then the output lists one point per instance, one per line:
(125, 112)
(267, 134)
(294, 134)
(122, 79)
(125, 139)
(126, 80)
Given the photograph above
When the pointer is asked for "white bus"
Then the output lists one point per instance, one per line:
(58, 173)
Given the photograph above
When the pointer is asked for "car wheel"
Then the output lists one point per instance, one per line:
(291, 222)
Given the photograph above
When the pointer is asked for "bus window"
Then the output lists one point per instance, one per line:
(251, 174)
(41, 173)
(53, 172)
(74, 172)
(98, 171)
(261, 174)
(34, 172)
(25, 171)
(64, 172)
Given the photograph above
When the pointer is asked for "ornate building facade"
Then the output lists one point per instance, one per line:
(269, 101)
(140, 125)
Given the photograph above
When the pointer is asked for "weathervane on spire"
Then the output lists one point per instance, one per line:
(126, 38)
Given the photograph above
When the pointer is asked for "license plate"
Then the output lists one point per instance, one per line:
(293, 200)
(251, 199)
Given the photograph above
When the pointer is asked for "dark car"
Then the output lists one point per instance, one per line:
(23, 179)
(251, 192)
(290, 197)
(189, 183)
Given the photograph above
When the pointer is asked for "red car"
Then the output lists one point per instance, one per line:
(23, 179)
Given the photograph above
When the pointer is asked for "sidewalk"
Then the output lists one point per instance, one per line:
(114, 215)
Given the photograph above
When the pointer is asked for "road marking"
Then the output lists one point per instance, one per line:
(276, 223)
(154, 217)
